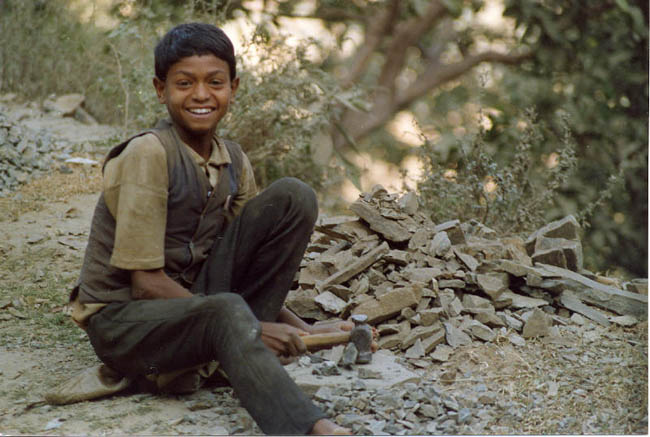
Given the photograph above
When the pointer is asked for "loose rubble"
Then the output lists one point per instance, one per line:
(426, 286)
(28, 152)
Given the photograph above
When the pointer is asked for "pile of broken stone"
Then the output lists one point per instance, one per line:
(25, 153)
(430, 288)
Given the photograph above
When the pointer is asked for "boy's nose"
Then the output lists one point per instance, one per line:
(201, 91)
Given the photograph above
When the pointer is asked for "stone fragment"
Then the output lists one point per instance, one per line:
(440, 244)
(349, 357)
(480, 331)
(329, 302)
(388, 329)
(314, 271)
(433, 340)
(553, 257)
(453, 230)
(387, 305)
(389, 341)
(570, 301)
(407, 313)
(390, 229)
(517, 269)
(467, 259)
(350, 231)
(516, 251)
(604, 296)
(302, 303)
(430, 316)
(453, 308)
(512, 322)
(323, 394)
(639, 285)
(415, 351)
(516, 340)
(442, 353)
(366, 373)
(66, 105)
(360, 285)
(397, 257)
(456, 337)
(518, 301)
(624, 320)
(451, 283)
(480, 230)
(569, 253)
(420, 239)
(566, 228)
(418, 333)
(355, 268)
(341, 291)
(421, 274)
(493, 284)
(334, 354)
(538, 324)
(489, 318)
(473, 301)
(409, 203)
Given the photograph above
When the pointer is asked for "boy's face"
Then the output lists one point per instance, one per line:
(197, 93)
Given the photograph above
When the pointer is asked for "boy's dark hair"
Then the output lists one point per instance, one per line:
(191, 39)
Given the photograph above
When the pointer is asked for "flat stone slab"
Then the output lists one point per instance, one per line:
(384, 365)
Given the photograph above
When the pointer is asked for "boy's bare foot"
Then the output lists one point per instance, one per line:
(327, 427)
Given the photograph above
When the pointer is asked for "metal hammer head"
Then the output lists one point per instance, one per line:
(361, 336)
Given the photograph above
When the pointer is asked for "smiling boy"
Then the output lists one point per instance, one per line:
(186, 264)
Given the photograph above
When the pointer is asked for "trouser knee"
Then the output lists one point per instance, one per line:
(297, 195)
(232, 320)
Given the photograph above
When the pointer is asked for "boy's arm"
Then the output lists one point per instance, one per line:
(155, 284)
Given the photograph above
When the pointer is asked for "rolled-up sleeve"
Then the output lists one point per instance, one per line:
(135, 190)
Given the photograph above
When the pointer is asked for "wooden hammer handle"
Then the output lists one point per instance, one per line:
(318, 341)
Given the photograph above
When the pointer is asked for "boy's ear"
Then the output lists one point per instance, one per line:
(159, 85)
(234, 85)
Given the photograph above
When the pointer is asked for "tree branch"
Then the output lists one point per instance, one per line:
(376, 28)
(437, 74)
(408, 34)
(360, 124)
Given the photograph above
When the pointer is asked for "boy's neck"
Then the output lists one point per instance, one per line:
(201, 144)
(204, 149)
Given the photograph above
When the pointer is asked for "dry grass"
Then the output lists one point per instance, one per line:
(53, 187)
(574, 386)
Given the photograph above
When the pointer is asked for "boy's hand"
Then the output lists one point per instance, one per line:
(283, 339)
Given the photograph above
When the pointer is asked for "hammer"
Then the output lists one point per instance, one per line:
(360, 336)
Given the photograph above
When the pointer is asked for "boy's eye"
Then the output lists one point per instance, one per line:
(183, 83)
(216, 82)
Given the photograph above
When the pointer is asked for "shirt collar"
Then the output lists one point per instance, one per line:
(219, 155)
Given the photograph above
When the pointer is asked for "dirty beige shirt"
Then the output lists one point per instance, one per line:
(135, 191)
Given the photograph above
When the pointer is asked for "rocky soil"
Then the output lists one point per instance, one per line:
(483, 334)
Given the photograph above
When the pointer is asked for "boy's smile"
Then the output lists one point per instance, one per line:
(197, 92)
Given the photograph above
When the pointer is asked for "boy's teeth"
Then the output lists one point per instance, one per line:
(200, 111)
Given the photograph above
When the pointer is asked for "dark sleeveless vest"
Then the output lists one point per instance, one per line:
(196, 215)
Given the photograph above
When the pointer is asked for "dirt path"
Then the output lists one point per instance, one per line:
(590, 380)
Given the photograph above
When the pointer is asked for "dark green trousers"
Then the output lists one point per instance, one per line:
(245, 280)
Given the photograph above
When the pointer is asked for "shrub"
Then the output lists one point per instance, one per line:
(512, 198)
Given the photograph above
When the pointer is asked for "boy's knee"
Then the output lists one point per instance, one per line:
(301, 196)
(231, 312)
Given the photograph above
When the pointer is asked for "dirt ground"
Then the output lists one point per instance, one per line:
(591, 380)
